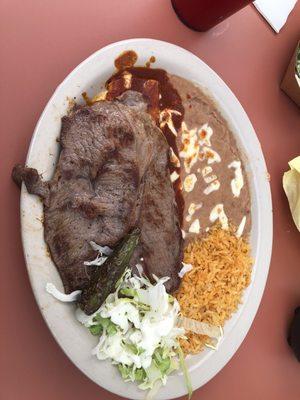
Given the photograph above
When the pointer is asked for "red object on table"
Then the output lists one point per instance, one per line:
(40, 43)
(202, 15)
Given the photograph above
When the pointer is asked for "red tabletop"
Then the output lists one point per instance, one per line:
(40, 43)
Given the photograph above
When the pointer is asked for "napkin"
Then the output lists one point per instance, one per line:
(275, 12)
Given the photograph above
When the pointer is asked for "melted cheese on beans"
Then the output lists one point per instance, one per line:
(195, 226)
(189, 182)
(237, 182)
(165, 118)
(218, 213)
(190, 147)
(205, 134)
(215, 185)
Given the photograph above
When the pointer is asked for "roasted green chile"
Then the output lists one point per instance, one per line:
(105, 278)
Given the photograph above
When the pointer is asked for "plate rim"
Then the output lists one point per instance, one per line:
(260, 285)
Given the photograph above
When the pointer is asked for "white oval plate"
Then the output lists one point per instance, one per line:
(73, 338)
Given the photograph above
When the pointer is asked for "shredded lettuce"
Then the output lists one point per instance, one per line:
(138, 331)
(102, 324)
(130, 374)
(103, 253)
(128, 292)
(96, 330)
(185, 372)
(68, 298)
(139, 327)
(185, 268)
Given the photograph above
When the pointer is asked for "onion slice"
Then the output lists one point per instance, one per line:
(201, 328)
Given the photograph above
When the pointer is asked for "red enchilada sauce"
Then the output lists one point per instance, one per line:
(155, 85)
(126, 59)
(151, 60)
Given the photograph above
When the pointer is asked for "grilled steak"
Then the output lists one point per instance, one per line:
(160, 247)
(112, 175)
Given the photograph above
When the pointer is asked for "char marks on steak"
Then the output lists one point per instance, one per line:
(112, 175)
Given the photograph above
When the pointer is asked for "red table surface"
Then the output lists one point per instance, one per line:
(40, 43)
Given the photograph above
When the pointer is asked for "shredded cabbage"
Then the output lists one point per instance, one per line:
(185, 268)
(138, 330)
(185, 372)
(68, 298)
(103, 253)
